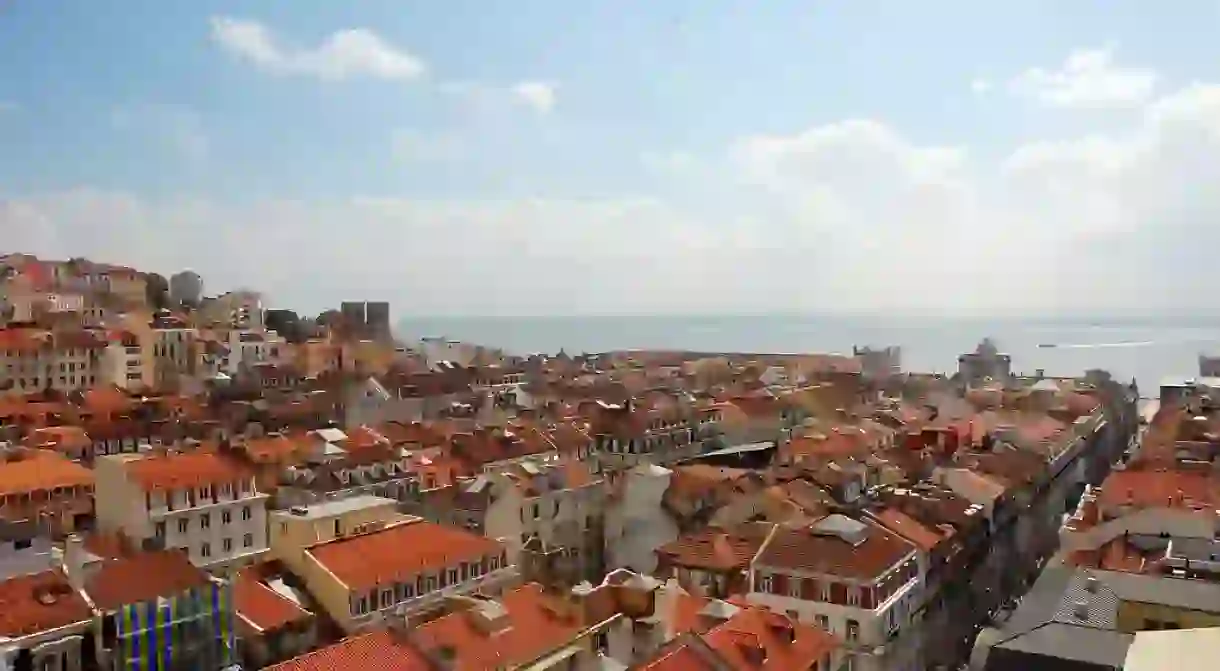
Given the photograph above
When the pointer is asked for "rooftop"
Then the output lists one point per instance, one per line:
(335, 507)
(39, 602)
(396, 553)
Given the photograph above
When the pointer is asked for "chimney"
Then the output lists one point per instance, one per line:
(74, 561)
(1080, 610)
(1090, 584)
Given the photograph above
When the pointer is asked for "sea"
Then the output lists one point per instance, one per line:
(1146, 350)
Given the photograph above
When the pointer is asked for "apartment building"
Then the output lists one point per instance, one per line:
(548, 514)
(42, 485)
(45, 623)
(158, 611)
(205, 503)
(850, 577)
(364, 562)
(33, 359)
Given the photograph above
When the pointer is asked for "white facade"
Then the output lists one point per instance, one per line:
(221, 525)
(637, 523)
(252, 346)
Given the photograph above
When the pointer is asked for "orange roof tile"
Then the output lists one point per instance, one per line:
(38, 602)
(261, 607)
(37, 470)
(143, 576)
(397, 553)
(716, 549)
(190, 469)
(909, 528)
(800, 548)
(536, 623)
(384, 650)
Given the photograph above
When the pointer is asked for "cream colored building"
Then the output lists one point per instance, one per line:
(37, 359)
(549, 515)
(364, 562)
(204, 503)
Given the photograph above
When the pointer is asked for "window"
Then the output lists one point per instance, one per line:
(227, 544)
(205, 521)
(453, 576)
(245, 513)
(764, 582)
(183, 525)
(853, 596)
(794, 587)
(205, 550)
(853, 631)
(822, 621)
(338, 528)
(159, 530)
(387, 598)
(226, 517)
(247, 540)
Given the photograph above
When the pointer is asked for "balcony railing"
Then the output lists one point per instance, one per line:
(491, 581)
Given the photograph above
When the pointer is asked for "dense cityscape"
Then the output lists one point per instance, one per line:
(208, 482)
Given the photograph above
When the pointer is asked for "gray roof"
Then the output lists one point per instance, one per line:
(1066, 641)
(1177, 592)
(339, 506)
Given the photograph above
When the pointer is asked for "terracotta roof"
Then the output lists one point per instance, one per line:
(535, 623)
(273, 448)
(38, 470)
(716, 549)
(802, 549)
(756, 629)
(909, 528)
(399, 552)
(190, 469)
(261, 607)
(144, 576)
(1160, 488)
(384, 650)
(38, 602)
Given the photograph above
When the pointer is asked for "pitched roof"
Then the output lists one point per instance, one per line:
(35, 470)
(717, 549)
(384, 650)
(261, 607)
(142, 577)
(534, 623)
(402, 551)
(191, 469)
(38, 602)
(826, 546)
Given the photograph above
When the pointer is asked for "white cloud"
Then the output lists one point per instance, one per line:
(981, 86)
(177, 128)
(851, 216)
(346, 54)
(538, 95)
(1088, 78)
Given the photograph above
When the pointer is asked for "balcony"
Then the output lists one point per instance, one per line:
(492, 582)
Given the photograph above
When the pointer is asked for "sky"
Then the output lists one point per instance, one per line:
(554, 157)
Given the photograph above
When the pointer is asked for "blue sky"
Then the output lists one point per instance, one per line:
(460, 156)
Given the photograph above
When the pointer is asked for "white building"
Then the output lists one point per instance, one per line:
(850, 577)
(636, 521)
(247, 347)
(205, 503)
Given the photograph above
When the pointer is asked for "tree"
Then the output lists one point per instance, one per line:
(156, 290)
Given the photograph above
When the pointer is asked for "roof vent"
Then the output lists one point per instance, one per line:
(299, 511)
(1080, 610)
(1090, 584)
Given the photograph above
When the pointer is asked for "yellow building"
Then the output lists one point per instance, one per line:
(363, 561)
